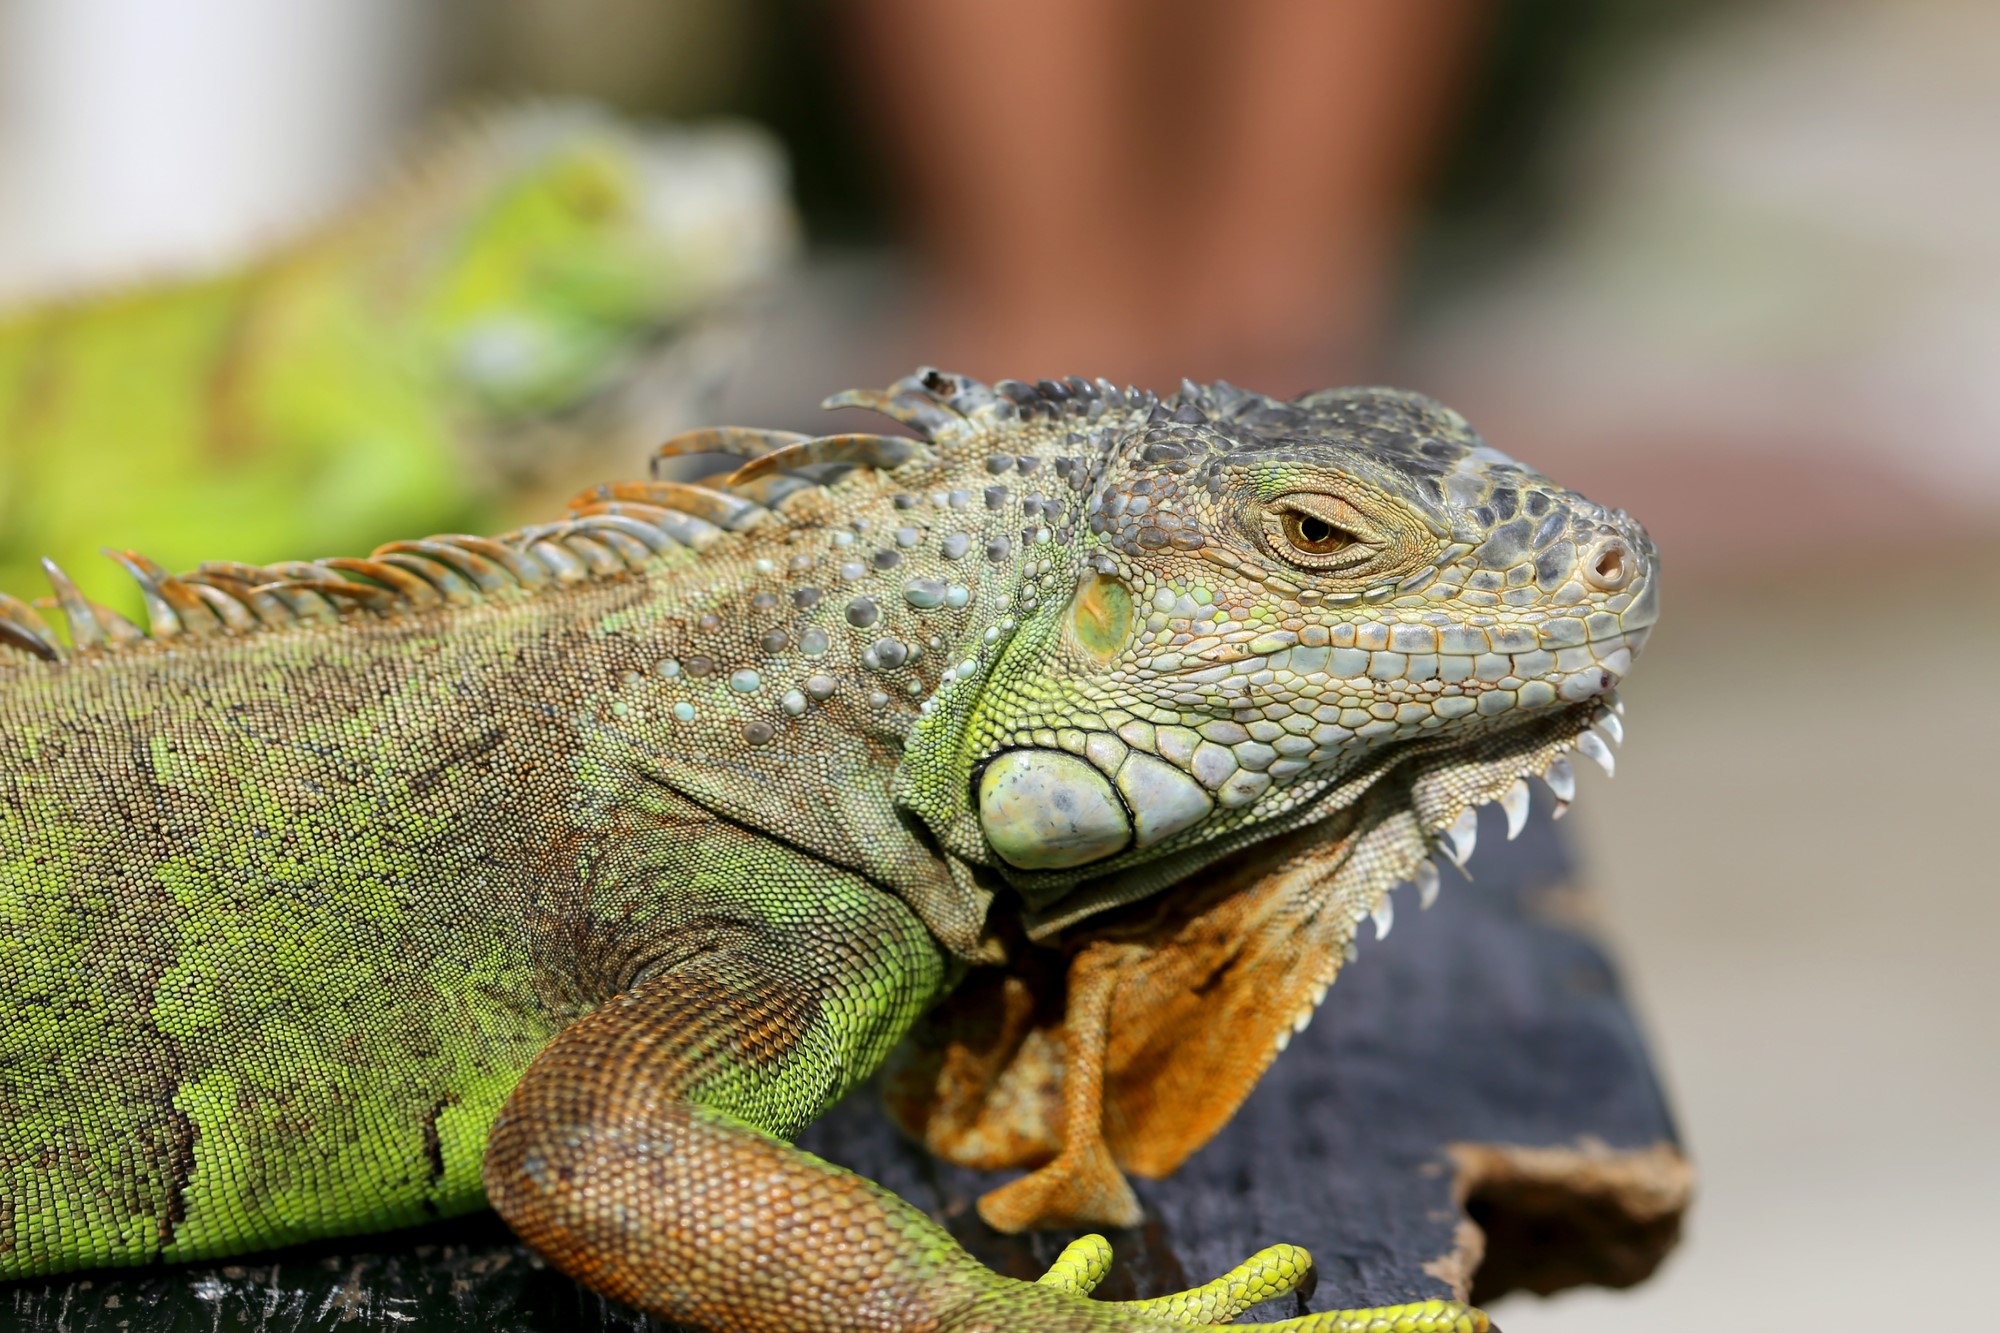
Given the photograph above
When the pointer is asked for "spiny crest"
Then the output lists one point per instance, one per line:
(612, 531)
(937, 404)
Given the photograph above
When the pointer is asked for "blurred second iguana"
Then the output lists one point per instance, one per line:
(492, 324)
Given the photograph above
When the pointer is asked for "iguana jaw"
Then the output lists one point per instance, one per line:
(1419, 818)
(1409, 803)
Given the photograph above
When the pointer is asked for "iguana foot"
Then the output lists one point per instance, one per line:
(1417, 1317)
(1081, 1187)
(1266, 1275)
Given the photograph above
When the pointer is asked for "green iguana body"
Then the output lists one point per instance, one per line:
(578, 869)
(465, 336)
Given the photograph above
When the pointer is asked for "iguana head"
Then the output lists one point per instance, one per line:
(572, 237)
(1254, 614)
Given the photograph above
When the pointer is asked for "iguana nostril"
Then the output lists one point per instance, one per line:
(1609, 565)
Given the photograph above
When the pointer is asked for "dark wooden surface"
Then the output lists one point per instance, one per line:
(1494, 1019)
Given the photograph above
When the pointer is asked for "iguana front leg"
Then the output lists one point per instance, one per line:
(1083, 1184)
(642, 1150)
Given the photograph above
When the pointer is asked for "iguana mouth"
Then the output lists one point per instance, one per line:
(1093, 797)
(1427, 792)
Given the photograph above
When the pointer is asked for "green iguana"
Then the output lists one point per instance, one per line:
(575, 870)
(534, 289)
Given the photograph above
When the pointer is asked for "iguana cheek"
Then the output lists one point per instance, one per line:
(1046, 810)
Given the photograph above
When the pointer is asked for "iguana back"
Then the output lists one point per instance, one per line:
(287, 906)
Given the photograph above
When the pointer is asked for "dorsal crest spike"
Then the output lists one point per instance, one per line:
(451, 570)
(730, 441)
(564, 565)
(21, 627)
(14, 635)
(172, 606)
(931, 402)
(450, 585)
(524, 571)
(611, 532)
(85, 630)
(646, 535)
(1229, 397)
(485, 575)
(882, 401)
(733, 513)
(163, 620)
(936, 403)
(232, 614)
(416, 592)
(363, 596)
(599, 558)
(243, 583)
(872, 451)
(772, 488)
(118, 631)
(302, 605)
(687, 530)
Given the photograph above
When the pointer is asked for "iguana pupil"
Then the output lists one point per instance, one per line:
(1316, 535)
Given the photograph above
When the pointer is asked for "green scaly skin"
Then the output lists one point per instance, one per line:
(577, 870)
(405, 370)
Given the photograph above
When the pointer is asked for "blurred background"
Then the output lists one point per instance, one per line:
(1733, 266)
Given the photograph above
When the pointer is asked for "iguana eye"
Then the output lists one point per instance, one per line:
(1314, 535)
(1321, 532)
